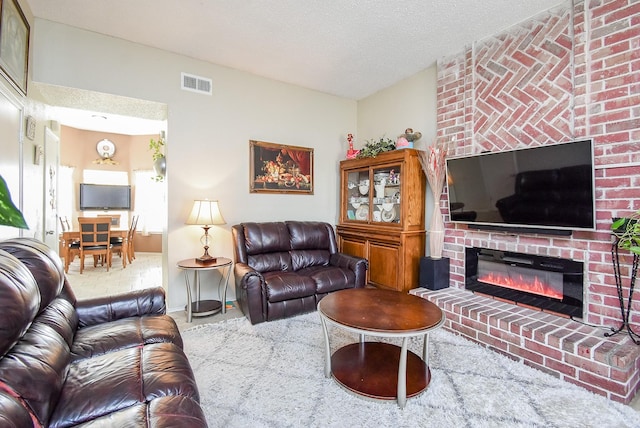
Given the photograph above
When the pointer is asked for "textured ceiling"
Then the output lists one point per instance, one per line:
(347, 48)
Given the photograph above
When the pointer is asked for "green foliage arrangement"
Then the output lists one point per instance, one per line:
(9, 214)
(373, 148)
(627, 230)
(156, 147)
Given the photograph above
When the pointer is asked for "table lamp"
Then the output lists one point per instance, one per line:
(205, 213)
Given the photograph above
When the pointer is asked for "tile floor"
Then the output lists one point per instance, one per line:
(144, 272)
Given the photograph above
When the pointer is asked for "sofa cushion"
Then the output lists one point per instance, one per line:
(174, 411)
(309, 235)
(35, 368)
(19, 300)
(263, 238)
(100, 339)
(42, 261)
(271, 261)
(108, 383)
(288, 285)
(301, 259)
(330, 278)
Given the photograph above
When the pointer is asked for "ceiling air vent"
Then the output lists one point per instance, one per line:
(197, 84)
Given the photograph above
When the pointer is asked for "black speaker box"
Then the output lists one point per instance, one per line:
(434, 273)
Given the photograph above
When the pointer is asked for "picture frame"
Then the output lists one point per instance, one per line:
(279, 168)
(14, 44)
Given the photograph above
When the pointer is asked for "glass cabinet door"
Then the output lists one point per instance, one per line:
(386, 194)
(358, 193)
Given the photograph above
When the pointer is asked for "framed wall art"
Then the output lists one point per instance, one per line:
(14, 44)
(277, 168)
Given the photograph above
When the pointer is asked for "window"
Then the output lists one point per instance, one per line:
(149, 197)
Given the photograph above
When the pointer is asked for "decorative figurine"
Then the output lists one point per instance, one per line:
(351, 154)
(406, 140)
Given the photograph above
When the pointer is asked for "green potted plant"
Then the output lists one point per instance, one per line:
(373, 148)
(157, 154)
(9, 214)
(627, 230)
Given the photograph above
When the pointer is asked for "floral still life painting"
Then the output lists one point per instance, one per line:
(277, 168)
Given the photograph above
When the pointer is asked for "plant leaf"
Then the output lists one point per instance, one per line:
(9, 214)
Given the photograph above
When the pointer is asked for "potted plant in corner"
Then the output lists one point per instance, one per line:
(627, 236)
(9, 214)
(159, 161)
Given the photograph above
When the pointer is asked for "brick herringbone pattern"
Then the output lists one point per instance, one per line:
(523, 84)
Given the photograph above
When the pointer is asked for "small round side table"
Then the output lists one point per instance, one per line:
(201, 308)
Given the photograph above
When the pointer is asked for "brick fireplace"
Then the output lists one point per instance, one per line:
(568, 74)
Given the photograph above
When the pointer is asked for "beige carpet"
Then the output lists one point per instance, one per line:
(271, 375)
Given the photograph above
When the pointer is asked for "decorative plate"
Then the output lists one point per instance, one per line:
(390, 215)
(362, 213)
(106, 149)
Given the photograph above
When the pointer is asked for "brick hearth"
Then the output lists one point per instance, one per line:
(567, 349)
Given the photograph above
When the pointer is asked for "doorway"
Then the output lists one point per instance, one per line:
(82, 119)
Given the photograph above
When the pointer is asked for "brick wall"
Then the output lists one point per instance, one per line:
(570, 73)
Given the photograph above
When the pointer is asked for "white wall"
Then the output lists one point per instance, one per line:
(208, 136)
(410, 103)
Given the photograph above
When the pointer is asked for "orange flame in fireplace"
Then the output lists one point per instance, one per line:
(521, 284)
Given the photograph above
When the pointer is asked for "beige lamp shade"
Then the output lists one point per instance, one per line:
(205, 213)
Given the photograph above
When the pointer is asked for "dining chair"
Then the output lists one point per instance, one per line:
(132, 233)
(73, 246)
(120, 245)
(95, 240)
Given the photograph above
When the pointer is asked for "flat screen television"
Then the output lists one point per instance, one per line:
(104, 197)
(546, 188)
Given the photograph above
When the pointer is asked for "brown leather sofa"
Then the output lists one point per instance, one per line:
(284, 268)
(105, 362)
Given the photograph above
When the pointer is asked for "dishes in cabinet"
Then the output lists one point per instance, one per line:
(364, 189)
(389, 216)
(362, 213)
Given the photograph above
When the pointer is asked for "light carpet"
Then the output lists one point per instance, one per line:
(271, 375)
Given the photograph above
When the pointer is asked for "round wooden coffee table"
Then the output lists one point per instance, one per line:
(378, 370)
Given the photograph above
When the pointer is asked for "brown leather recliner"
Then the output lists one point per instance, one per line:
(285, 268)
(104, 362)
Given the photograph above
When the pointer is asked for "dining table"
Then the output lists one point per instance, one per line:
(70, 236)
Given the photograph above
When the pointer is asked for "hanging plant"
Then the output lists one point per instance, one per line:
(373, 148)
(159, 160)
(9, 214)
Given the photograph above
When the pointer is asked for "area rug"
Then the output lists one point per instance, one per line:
(271, 375)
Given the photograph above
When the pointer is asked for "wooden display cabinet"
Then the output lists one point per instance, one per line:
(382, 216)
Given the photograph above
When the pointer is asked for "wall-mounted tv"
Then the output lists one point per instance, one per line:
(548, 188)
(104, 197)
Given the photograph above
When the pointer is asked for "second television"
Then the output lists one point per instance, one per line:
(104, 197)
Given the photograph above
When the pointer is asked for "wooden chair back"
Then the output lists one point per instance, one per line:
(95, 239)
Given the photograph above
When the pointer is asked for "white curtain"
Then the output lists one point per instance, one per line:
(149, 202)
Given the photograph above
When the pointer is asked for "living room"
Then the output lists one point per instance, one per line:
(208, 149)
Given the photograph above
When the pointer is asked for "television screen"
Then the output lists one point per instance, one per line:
(549, 187)
(104, 197)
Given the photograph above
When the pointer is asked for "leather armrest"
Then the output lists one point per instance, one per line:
(357, 264)
(149, 301)
(250, 292)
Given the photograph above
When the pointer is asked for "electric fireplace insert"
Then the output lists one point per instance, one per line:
(548, 284)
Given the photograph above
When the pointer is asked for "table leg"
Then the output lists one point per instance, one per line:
(224, 289)
(402, 374)
(186, 277)
(425, 349)
(327, 349)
